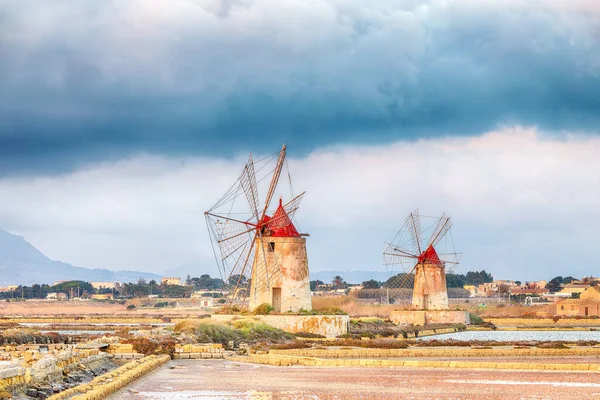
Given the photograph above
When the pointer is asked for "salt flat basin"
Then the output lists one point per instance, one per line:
(227, 380)
(42, 324)
(505, 336)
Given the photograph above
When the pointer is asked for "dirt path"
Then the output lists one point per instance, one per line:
(229, 380)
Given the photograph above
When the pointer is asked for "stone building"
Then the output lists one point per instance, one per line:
(171, 281)
(57, 296)
(587, 305)
(280, 268)
(207, 301)
(106, 296)
(430, 291)
(574, 288)
(103, 285)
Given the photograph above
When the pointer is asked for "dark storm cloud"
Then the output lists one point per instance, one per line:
(98, 80)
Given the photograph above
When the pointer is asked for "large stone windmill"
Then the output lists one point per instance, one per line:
(262, 246)
(422, 268)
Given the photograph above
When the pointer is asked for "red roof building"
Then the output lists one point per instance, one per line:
(429, 256)
(280, 224)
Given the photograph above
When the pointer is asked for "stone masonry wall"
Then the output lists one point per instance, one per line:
(326, 325)
(25, 368)
(419, 318)
(292, 278)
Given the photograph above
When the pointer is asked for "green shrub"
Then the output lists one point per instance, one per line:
(475, 319)
(309, 335)
(215, 333)
(131, 307)
(263, 309)
(327, 311)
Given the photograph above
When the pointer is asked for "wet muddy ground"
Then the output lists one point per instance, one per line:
(220, 379)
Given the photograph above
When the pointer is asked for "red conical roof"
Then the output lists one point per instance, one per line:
(280, 223)
(429, 256)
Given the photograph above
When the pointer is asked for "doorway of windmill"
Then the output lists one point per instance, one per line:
(276, 300)
(586, 311)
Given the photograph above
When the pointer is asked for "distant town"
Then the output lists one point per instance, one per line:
(571, 296)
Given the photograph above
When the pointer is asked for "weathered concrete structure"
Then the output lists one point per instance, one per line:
(430, 291)
(280, 270)
(426, 317)
(327, 325)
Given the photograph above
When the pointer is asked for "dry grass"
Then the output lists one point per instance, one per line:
(356, 308)
(148, 346)
(516, 310)
(187, 325)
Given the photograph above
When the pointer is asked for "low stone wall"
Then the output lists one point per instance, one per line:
(425, 317)
(24, 370)
(122, 351)
(104, 385)
(13, 376)
(549, 322)
(416, 352)
(281, 360)
(201, 351)
(326, 325)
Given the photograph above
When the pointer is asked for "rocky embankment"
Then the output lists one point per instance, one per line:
(38, 371)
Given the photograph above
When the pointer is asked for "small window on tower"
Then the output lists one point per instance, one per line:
(271, 247)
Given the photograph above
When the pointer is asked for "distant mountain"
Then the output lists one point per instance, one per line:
(22, 264)
(349, 276)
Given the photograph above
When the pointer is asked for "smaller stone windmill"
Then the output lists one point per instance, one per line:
(422, 268)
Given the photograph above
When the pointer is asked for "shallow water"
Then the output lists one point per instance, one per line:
(517, 335)
(42, 324)
(76, 332)
(208, 394)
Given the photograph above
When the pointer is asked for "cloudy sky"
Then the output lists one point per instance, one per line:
(122, 121)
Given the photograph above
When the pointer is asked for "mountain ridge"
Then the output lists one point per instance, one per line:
(21, 263)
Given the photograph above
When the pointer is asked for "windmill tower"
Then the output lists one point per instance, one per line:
(280, 267)
(266, 248)
(422, 268)
(430, 290)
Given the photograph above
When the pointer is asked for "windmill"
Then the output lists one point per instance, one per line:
(250, 243)
(422, 266)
